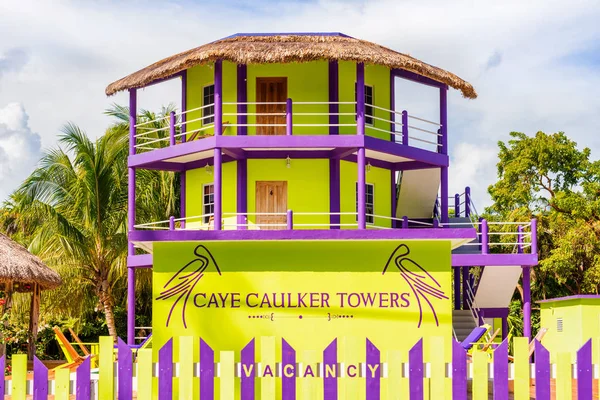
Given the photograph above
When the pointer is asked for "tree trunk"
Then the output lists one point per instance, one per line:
(107, 303)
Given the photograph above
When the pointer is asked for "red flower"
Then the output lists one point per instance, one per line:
(2, 301)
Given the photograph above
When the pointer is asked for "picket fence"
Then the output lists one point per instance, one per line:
(358, 373)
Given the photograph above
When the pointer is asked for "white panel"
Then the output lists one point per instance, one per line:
(497, 286)
(418, 191)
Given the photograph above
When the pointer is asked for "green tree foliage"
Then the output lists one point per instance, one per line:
(548, 177)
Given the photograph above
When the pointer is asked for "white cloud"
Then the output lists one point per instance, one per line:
(520, 56)
(19, 147)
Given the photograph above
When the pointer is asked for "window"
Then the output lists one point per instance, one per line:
(208, 201)
(208, 98)
(368, 104)
(369, 200)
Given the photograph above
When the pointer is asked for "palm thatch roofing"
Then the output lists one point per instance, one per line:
(287, 48)
(20, 266)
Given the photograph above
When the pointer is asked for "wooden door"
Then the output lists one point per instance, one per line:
(271, 90)
(271, 198)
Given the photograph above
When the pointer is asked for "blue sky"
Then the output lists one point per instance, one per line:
(535, 64)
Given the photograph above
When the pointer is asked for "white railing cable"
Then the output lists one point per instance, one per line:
(424, 120)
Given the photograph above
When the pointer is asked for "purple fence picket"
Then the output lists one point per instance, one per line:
(248, 371)
(542, 372)
(501, 371)
(82, 390)
(288, 383)
(40, 380)
(585, 377)
(125, 369)
(330, 389)
(373, 372)
(165, 371)
(459, 371)
(207, 371)
(415, 371)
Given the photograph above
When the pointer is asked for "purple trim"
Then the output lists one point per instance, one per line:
(415, 373)
(542, 372)
(501, 371)
(397, 149)
(291, 142)
(526, 302)
(131, 198)
(585, 372)
(182, 196)
(288, 384)
(394, 192)
(494, 312)
(474, 260)
(361, 191)
(574, 297)
(125, 370)
(40, 380)
(247, 382)
(218, 191)
(333, 97)
(306, 234)
(165, 371)
(412, 165)
(411, 76)
(373, 359)
(459, 371)
(207, 371)
(242, 190)
(183, 103)
(140, 261)
(242, 97)
(82, 391)
(330, 389)
(283, 154)
(334, 193)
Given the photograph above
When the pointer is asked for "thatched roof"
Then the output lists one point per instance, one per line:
(287, 48)
(19, 265)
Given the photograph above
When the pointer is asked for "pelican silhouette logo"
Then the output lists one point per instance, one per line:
(423, 285)
(183, 282)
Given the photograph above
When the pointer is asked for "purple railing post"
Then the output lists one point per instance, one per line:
(172, 128)
(131, 218)
(526, 302)
(171, 223)
(519, 239)
(585, 372)
(467, 202)
(485, 246)
(288, 117)
(405, 128)
(534, 244)
(405, 222)
(456, 205)
(436, 223)
(290, 219)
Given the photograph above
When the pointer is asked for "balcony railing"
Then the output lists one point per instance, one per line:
(298, 118)
(515, 237)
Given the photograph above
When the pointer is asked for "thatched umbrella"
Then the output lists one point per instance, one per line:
(21, 271)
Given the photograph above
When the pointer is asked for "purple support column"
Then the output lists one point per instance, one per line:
(405, 222)
(334, 107)
(288, 117)
(242, 189)
(183, 104)
(361, 193)
(182, 196)
(218, 98)
(392, 106)
(467, 202)
(288, 383)
(172, 128)
(585, 372)
(248, 371)
(456, 288)
(542, 372)
(394, 201)
(330, 390)
(217, 170)
(534, 244)
(360, 99)
(373, 382)
(444, 150)
(526, 302)
(456, 205)
(242, 98)
(334, 193)
(360, 130)
(131, 218)
(485, 241)
(207, 371)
